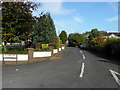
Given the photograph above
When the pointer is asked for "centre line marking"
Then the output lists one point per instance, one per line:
(82, 70)
(83, 56)
(115, 77)
(80, 51)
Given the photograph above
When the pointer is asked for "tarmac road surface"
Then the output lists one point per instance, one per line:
(76, 69)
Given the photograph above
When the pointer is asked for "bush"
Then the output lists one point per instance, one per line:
(59, 42)
(112, 47)
(38, 45)
(14, 50)
(44, 46)
(43, 49)
(54, 45)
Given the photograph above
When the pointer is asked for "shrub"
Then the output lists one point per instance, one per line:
(37, 49)
(59, 42)
(54, 45)
(44, 46)
(14, 50)
(112, 47)
(38, 45)
(43, 49)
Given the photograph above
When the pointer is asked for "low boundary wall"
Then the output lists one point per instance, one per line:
(31, 55)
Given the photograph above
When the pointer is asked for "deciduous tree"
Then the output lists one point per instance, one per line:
(17, 20)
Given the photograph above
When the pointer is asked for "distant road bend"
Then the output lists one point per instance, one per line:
(76, 69)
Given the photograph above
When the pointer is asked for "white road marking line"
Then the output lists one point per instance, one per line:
(116, 72)
(83, 56)
(80, 51)
(115, 77)
(82, 70)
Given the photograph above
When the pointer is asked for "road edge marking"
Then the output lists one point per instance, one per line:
(115, 77)
(82, 70)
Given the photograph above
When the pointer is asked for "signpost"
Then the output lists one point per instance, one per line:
(9, 57)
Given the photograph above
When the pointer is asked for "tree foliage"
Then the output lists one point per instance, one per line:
(63, 36)
(74, 39)
(95, 33)
(17, 20)
(44, 29)
(92, 37)
(98, 43)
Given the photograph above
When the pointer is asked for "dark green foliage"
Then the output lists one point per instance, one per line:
(56, 42)
(42, 49)
(63, 36)
(14, 50)
(44, 29)
(17, 20)
(94, 33)
(38, 45)
(59, 41)
(112, 47)
(75, 39)
(71, 41)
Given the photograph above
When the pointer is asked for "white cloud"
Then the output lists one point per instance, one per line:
(112, 19)
(55, 8)
(77, 19)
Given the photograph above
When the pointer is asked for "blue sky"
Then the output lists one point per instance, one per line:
(79, 17)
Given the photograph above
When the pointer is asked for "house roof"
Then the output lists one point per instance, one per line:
(110, 33)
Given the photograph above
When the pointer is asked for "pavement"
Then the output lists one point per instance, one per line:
(76, 69)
